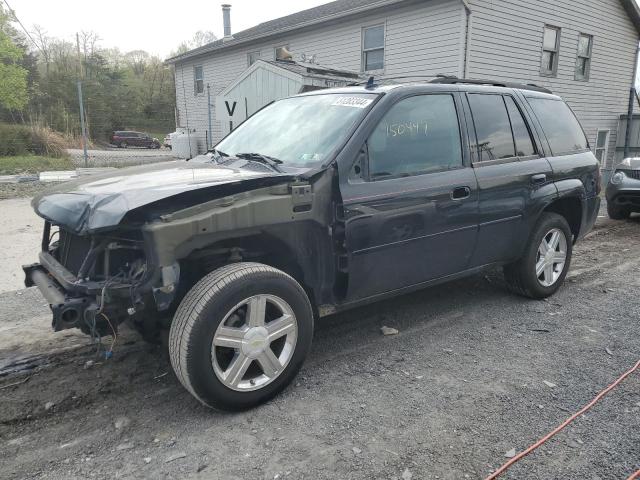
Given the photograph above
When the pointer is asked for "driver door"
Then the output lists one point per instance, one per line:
(413, 216)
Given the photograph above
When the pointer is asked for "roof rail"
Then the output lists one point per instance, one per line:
(523, 86)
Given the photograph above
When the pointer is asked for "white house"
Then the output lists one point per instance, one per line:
(584, 51)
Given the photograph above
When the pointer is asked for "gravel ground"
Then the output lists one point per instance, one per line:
(21, 190)
(460, 385)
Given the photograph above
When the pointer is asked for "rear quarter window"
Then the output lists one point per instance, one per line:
(560, 126)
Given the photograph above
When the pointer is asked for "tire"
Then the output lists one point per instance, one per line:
(123, 145)
(217, 307)
(521, 276)
(617, 213)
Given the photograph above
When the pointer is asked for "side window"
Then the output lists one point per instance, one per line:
(560, 126)
(550, 50)
(521, 134)
(253, 57)
(373, 48)
(602, 142)
(493, 129)
(198, 80)
(417, 135)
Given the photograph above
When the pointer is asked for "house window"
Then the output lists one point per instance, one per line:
(550, 50)
(373, 48)
(252, 57)
(282, 53)
(583, 61)
(602, 144)
(198, 80)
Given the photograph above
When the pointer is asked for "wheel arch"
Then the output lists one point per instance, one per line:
(297, 256)
(570, 204)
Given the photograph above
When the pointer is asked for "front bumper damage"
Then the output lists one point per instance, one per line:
(78, 301)
(70, 308)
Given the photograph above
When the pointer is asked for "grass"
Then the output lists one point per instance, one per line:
(33, 164)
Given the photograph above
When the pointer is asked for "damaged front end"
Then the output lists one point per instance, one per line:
(95, 282)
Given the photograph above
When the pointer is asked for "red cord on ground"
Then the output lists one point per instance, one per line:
(530, 449)
(634, 476)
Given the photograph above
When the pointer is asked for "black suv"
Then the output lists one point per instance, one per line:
(318, 203)
(126, 138)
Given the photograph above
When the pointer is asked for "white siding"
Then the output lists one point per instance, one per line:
(506, 44)
(420, 39)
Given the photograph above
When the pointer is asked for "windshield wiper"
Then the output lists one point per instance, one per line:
(218, 154)
(258, 157)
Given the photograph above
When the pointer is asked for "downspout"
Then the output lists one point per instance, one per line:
(467, 38)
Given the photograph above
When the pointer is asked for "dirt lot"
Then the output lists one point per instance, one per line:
(461, 384)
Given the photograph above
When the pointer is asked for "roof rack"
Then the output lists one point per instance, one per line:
(523, 86)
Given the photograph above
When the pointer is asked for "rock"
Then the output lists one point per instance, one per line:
(572, 443)
(356, 450)
(407, 475)
(175, 456)
(122, 422)
(201, 467)
(147, 460)
(49, 405)
(511, 453)
(124, 446)
(88, 364)
(389, 331)
(549, 384)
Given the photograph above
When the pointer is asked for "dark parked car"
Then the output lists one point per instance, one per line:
(126, 138)
(623, 190)
(318, 203)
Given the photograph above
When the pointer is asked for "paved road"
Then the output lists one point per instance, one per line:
(19, 242)
(461, 384)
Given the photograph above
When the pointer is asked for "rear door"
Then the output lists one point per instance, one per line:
(411, 217)
(514, 178)
(136, 139)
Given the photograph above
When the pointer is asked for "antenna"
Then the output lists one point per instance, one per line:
(370, 83)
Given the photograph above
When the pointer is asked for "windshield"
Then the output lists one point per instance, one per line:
(299, 131)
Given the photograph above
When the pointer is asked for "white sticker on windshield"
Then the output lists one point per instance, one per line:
(357, 102)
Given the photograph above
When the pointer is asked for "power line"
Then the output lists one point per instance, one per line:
(15, 17)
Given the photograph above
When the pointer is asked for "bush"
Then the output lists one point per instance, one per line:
(14, 140)
(47, 142)
(24, 139)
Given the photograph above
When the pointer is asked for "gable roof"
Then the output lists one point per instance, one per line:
(323, 13)
(632, 9)
(311, 16)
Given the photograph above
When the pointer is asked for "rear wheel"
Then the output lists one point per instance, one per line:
(617, 213)
(542, 269)
(123, 145)
(240, 335)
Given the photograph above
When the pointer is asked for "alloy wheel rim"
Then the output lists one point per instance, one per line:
(254, 343)
(551, 257)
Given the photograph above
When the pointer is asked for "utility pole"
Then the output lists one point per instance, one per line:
(210, 139)
(82, 124)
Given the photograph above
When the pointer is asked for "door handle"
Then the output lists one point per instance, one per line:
(460, 193)
(539, 179)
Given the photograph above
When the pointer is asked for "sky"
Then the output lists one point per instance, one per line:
(155, 26)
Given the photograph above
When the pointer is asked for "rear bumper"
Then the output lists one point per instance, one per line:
(69, 308)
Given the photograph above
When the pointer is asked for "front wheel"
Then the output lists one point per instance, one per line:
(542, 269)
(617, 213)
(240, 335)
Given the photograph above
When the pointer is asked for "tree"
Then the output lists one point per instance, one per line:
(14, 93)
(199, 39)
